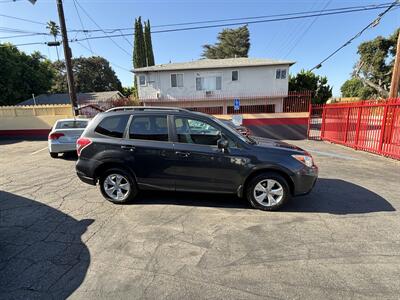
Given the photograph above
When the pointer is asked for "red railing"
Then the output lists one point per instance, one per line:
(249, 104)
(372, 126)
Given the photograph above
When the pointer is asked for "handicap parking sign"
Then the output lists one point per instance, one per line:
(236, 104)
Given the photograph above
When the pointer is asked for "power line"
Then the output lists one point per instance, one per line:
(238, 23)
(24, 35)
(270, 16)
(25, 44)
(299, 38)
(22, 19)
(371, 24)
(295, 31)
(112, 30)
(111, 63)
(8, 1)
(88, 38)
(376, 6)
(83, 27)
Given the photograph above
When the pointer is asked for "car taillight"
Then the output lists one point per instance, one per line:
(55, 135)
(81, 144)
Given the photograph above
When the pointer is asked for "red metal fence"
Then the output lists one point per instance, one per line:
(249, 104)
(372, 126)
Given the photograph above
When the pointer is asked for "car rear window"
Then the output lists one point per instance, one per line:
(71, 124)
(113, 126)
(154, 128)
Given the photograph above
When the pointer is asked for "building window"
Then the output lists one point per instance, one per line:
(142, 80)
(280, 74)
(235, 75)
(176, 80)
(209, 83)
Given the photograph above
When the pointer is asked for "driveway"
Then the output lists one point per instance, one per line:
(59, 238)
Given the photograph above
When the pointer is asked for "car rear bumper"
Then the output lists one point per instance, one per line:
(86, 179)
(304, 180)
(85, 169)
(55, 147)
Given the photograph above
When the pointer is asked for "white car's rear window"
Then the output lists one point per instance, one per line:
(71, 124)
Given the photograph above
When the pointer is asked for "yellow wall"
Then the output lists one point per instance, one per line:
(44, 116)
(32, 117)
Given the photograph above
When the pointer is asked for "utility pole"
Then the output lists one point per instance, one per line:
(67, 55)
(394, 86)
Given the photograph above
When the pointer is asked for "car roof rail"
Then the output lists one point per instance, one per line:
(142, 108)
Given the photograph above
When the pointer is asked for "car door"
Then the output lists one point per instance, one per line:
(151, 151)
(199, 164)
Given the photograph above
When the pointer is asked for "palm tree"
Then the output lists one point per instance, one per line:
(54, 30)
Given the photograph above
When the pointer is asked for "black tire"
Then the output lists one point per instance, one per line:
(53, 154)
(260, 179)
(129, 178)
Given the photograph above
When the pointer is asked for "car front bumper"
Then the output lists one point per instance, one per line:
(304, 180)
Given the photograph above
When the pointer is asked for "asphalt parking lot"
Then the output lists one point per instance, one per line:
(59, 238)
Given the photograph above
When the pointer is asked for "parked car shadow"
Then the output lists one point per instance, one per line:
(69, 156)
(41, 252)
(336, 196)
(6, 140)
(190, 199)
(332, 196)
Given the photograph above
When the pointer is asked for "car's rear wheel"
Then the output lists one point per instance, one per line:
(117, 186)
(268, 191)
(53, 154)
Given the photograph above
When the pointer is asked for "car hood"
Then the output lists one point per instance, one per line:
(270, 143)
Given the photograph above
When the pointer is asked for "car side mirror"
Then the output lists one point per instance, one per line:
(222, 144)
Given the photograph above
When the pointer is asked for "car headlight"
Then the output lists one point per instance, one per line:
(304, 159)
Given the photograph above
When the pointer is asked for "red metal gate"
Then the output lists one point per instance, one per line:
(372, 126)
(315, 121)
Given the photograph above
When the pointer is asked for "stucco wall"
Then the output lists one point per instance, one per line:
(252, 81)
(27, 120)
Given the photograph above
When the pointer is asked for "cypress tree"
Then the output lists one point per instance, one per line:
(148, 44)
(139, 51)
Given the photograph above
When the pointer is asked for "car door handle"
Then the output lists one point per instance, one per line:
(128, 147)
(182, 153)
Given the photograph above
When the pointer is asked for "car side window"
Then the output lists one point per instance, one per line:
(113, 126)
(154, 128)
(196, 132)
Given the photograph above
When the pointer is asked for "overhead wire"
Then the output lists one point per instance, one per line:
(232, 24)
(300, 37)
(106, 35)
(83, 27)
(348, 42)
(111, 63)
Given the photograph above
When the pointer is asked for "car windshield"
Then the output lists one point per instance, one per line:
(245, 139)
(71, 124)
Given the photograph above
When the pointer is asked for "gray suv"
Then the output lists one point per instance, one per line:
(128, 149)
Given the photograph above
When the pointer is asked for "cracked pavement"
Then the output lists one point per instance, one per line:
(59, 238)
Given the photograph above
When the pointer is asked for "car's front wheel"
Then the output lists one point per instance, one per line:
(268, 191)
(53, 154)
(117, 186)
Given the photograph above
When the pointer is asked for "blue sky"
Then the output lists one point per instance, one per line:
(278, 40)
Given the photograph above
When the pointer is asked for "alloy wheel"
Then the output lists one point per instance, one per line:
(268, 192)
(117, 187)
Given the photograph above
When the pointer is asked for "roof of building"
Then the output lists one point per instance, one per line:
(215, 64)
(64, 98)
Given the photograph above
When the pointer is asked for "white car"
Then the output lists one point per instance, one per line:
(64, 134)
